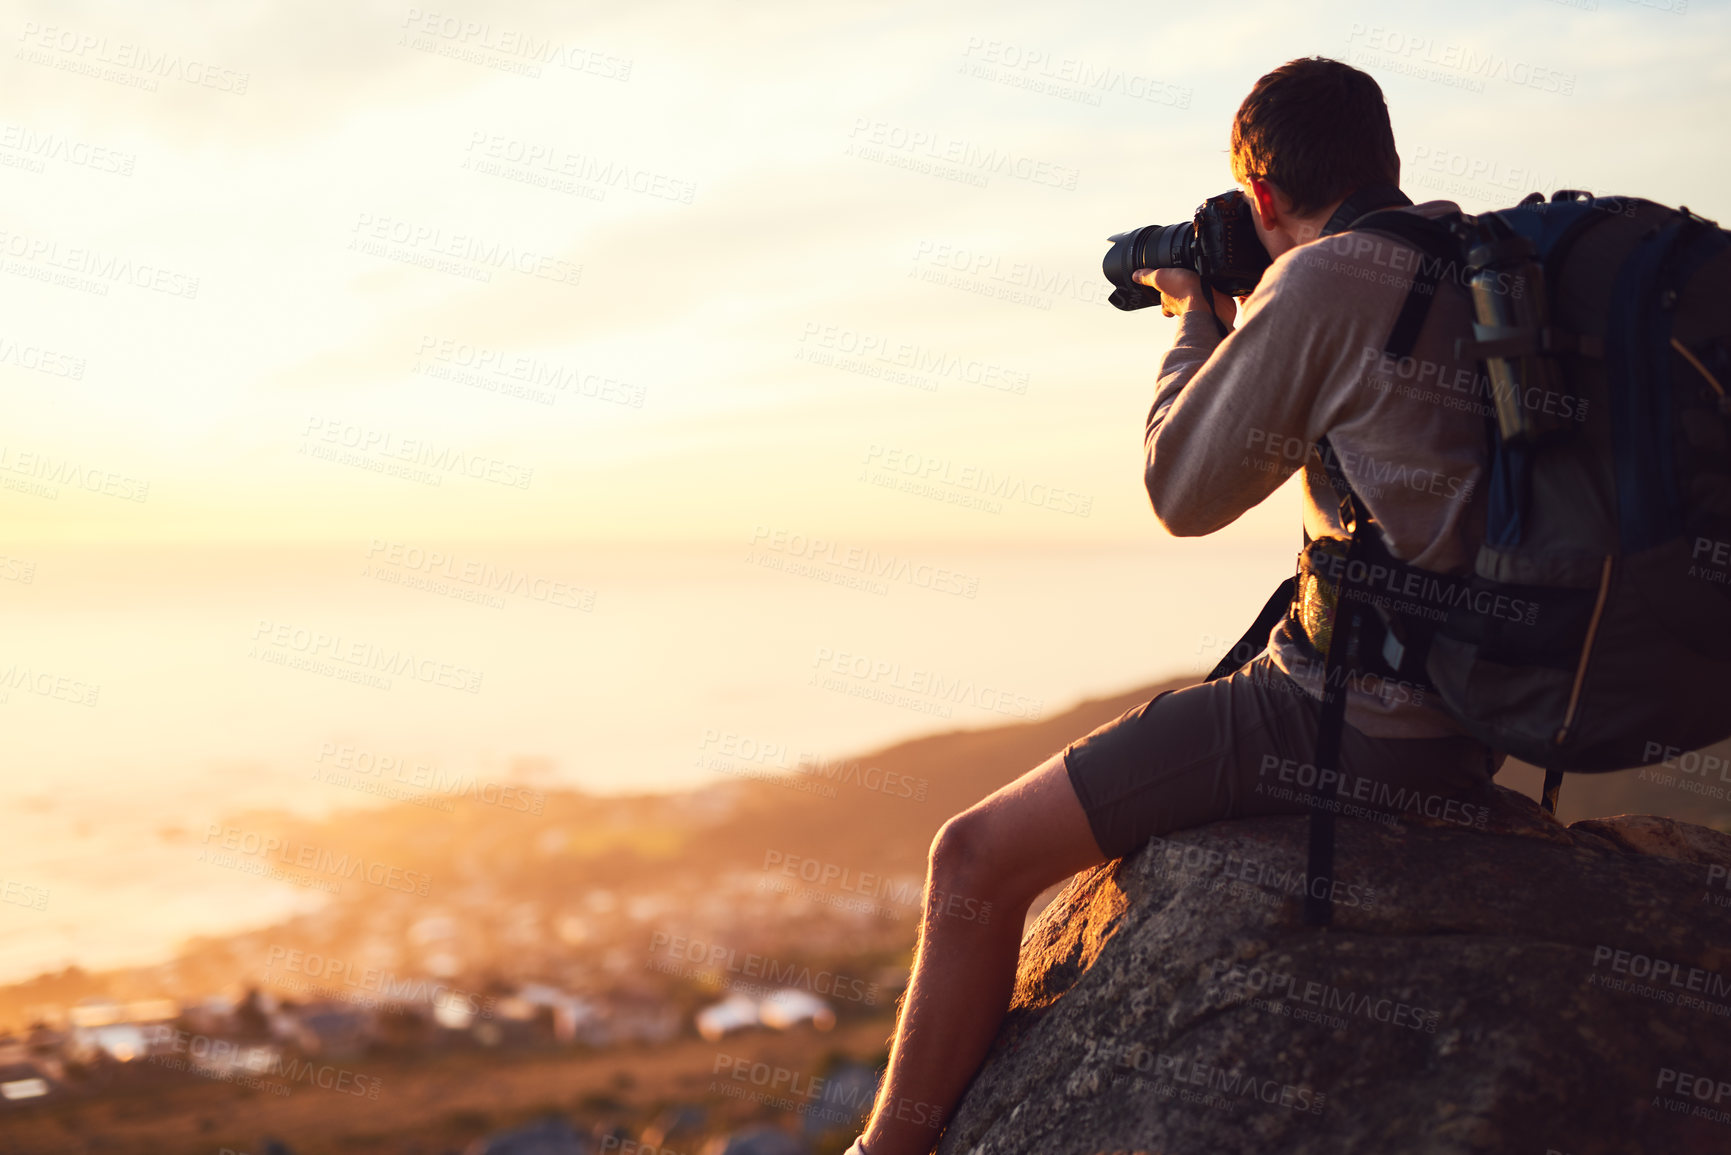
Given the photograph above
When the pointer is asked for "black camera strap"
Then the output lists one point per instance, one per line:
(1219, 325)
(1362, 203)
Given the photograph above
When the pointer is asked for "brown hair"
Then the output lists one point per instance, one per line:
(1316, 128)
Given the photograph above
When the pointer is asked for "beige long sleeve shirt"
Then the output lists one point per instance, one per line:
(1233, 418)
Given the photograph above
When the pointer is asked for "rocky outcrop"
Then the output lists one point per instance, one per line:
(1510, 986)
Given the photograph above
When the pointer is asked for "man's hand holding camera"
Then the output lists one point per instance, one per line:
(1181, 290)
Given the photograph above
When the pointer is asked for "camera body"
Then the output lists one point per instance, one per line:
(1219, 244)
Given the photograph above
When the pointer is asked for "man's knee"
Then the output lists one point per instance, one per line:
(962, 852)
(974, 861)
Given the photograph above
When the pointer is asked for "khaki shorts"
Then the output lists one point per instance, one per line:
(1244, 746)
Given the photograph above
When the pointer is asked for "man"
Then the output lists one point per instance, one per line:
(1232, 419)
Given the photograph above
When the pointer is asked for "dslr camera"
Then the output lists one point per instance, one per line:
(1219, 244)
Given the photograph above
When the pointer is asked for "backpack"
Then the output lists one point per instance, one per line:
(1594, 631)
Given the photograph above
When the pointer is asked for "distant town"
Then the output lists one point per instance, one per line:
(485, 935)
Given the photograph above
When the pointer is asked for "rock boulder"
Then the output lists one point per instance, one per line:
(1509, 986)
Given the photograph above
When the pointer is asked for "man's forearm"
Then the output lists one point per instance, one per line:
(1193, 343)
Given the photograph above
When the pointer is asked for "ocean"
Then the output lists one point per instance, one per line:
(148, 693)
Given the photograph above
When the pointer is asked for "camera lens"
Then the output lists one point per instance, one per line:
(1170, 247)
(1149, 247)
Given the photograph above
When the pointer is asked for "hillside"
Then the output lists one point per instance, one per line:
(575, 893)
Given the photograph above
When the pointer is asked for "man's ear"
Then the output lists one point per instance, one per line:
(1268, 213)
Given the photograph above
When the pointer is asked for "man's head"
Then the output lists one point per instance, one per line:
(1311, 133)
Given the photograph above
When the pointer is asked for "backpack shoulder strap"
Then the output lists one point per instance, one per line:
(1439, 256)
(1342, 655)
(1438, 249)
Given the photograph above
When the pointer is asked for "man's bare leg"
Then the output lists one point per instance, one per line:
(1003, 850)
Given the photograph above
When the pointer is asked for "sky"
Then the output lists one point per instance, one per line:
(664, 272)
(318, 317)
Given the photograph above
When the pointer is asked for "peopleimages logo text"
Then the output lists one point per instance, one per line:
(319, 859)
